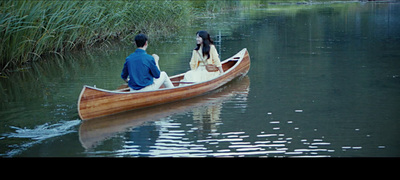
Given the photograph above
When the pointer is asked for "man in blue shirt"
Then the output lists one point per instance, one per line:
(143, 70)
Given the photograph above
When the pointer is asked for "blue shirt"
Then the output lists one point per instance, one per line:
(141, 69)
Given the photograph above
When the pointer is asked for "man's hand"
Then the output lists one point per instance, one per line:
(156, 58)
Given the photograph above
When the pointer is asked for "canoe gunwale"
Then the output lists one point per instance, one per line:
(192, 90)
(163, 89)
(157, 90)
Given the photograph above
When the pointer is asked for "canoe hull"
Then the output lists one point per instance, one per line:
(94, 102)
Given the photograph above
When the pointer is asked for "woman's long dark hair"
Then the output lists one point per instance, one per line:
(206, 43)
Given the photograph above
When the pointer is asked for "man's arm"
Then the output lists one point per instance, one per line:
(154, 68)
(125, 73)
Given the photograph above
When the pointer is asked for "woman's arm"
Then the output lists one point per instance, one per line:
(193, 61)
(217, 62)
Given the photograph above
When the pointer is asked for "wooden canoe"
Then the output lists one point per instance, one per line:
(96, 130)
(95, 102)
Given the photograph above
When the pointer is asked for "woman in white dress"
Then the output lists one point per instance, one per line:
(204, 53)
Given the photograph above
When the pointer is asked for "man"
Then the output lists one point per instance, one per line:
(143, 70)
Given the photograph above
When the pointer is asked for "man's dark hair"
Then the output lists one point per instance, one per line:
(140, 40)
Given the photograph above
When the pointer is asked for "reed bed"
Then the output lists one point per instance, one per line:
(30, 30)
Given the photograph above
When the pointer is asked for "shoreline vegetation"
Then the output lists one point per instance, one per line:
(32, 30)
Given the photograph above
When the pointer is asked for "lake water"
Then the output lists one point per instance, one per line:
(324, 82)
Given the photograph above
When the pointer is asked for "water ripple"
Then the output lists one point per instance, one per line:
(201, 137)
(44, 131)
(39, 133)
(174, 142)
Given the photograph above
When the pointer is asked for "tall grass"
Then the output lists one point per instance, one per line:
(31, 29)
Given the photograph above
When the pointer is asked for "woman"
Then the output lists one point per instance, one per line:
(204, 53)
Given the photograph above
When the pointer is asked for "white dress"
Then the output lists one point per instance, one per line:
(198, 72)
(199, 75)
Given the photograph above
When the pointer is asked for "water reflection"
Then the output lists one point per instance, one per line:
(270, 143)
(190, 128)
(205, 109)
(207, 117)
(325, 81)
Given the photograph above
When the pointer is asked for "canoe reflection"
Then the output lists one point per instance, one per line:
(205, 109)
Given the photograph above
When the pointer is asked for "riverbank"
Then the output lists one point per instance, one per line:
(31, 30)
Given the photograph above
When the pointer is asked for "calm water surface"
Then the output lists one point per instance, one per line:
(324, 82)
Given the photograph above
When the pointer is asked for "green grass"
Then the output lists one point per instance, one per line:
(33, 29)
(30, 30)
